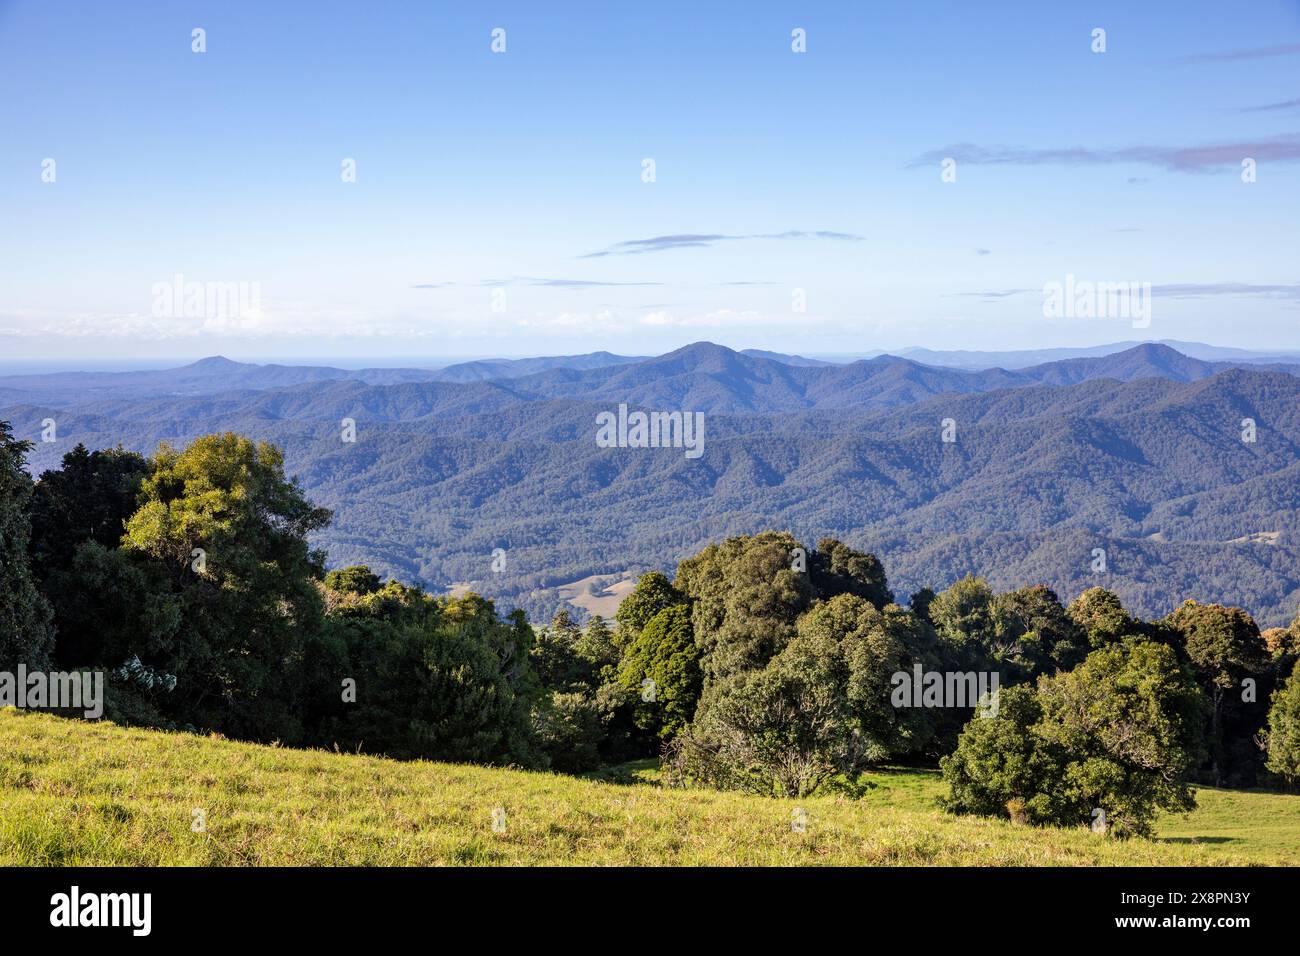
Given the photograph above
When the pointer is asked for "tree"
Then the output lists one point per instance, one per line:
(665, 654)
(89, 498)
(431, 678)
(117, 612)
(821, 707)
(599, 650)
(26, 636)
(1116, 734)
(871, 646)
(963, 618)
(1034, 635)
(555, 656)
(782, 731)
(570, 730)
(79, 515)
(584, 712)
(1102, 617)
(838, 569)
(999, 760)
(920, 602)
(747, 595)
(357, 579)
(229, 533)
(1283, 737)
(1224, 647)
(653, 593)
(1127, 721)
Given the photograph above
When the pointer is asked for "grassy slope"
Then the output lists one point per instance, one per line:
(78, 793)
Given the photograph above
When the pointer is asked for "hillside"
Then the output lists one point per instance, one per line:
(1138, 452)
(76, 793)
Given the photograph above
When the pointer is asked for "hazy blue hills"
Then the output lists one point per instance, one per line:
(1025, 358)
(217, 374)
(513, 368)
(1139, 453)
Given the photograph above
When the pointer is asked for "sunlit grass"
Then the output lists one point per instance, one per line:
(73, 792)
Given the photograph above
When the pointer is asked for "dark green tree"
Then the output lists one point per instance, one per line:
(439, 679)
(664, 654)
(836, 568)
(89, 498)
(26, 636)
(1034, 635)
(1224, 647)
(965, 622)
(653, 593)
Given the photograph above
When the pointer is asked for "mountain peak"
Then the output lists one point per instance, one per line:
(214, 363)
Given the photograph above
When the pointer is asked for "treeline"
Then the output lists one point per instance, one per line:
(761, 665)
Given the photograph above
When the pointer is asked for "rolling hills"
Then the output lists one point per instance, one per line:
(1138, 452)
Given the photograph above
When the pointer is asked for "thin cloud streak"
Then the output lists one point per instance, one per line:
(1272, 107)
(632, 247)
(1185, 290)
(1256, 53)
(534, 281)
(1184, 159)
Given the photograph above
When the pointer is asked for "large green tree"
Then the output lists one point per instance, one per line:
(1034, 635)
(965, 621)
(821, 707)
(1117, 736)
(746, 595)
(1225, 648)
(229, 533)
(79, 514)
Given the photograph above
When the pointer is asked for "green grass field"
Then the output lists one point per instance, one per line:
(82, 793)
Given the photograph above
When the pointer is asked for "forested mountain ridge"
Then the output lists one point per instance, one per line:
(1140, 453)
(703, 376)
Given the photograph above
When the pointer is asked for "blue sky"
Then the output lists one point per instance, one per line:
(499, 206)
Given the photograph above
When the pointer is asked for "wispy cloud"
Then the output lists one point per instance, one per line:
(1185, 159)
(690, 240)
(533, 281)
(1184, 290)
(1255, 53)
(1272, 107)
(1197, 290)
(991, 295)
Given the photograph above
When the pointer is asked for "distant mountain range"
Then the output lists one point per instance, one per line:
(218, 374)
(1022, 359)
(1138, 452)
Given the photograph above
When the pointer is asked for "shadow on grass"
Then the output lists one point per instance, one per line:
(633, 772)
